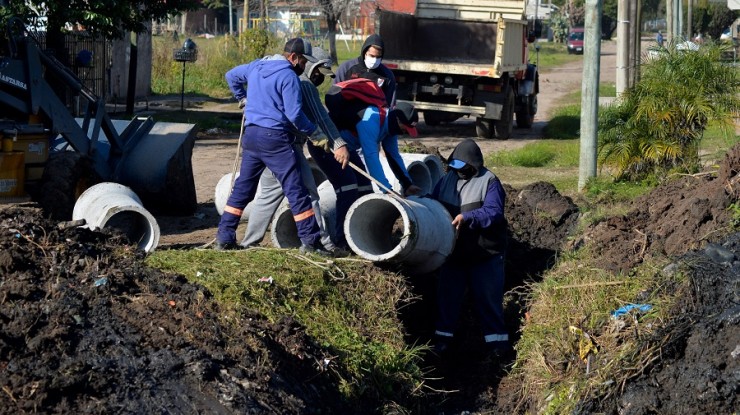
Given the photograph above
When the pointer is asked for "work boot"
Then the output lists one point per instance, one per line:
(226, 246)
(308, 249)
(338, 252)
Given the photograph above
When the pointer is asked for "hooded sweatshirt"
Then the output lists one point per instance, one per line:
(355, 68)
(481, 201)
(273, 94)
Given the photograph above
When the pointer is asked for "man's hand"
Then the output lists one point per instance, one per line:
(412, 190)
(341, 155)
(242, 103)
(320, 140)
(458, 221)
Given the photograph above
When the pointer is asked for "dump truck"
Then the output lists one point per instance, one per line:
(464, 58)
(64, 155)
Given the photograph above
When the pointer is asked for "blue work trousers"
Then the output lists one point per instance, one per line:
(274, 149)
(485, 280)
(348, 185)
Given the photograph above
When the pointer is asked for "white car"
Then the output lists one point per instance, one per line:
(726, 34)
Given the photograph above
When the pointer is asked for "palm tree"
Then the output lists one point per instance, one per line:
(658, 124)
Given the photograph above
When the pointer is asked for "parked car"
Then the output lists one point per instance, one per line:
(726, 35)
(574, 41)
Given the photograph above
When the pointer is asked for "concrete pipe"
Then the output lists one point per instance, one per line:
(432, 161)
(223, 191)
(113, 205)
(284, 232)
(417, 170)
(416, 233)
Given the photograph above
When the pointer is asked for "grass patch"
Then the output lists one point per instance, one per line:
(551, 55)
(572, 349)
(349, 308)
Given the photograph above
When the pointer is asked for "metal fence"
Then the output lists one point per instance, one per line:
(89, 58)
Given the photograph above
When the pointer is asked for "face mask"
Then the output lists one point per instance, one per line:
(297, 69)
(466, 173)
(372, 62)
(317, 79)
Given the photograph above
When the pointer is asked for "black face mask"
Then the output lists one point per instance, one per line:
(466, 173)
(297, 69)
(318, 78)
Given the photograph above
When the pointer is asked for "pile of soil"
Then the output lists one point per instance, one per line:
(87, 328)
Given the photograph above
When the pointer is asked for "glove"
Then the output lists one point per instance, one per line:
(242, 103)
(320, 140)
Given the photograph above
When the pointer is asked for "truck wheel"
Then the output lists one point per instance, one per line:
(525, 116)
(505, 126)
(67, 174)
(484, 128)
(432, 118)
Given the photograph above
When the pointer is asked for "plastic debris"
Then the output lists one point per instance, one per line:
(101, 281)
(586, 344)
(643, 308)
(265, 279)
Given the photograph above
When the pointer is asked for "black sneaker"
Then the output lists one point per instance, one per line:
(338, 252)
(226, 246)
(308, 249)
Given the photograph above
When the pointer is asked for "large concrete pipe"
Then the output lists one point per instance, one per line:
(417, 170)
(432, 161)
(416, 233)
(113, 205)
(284, 233)
(223, 191)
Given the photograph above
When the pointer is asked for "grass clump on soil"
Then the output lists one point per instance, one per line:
(347, 306)
(573, 350)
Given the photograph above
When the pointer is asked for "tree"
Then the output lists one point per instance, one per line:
(333, 10)
(109, 18)
(659, 123)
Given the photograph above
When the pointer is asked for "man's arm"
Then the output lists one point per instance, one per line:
(293, 104)
(316, 112)
(236, 79)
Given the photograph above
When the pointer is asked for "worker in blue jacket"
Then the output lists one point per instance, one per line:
(474, 197)
(273, 119)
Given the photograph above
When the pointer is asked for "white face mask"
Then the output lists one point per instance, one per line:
(372, 62)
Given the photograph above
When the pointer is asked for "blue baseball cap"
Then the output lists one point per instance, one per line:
(456, 164)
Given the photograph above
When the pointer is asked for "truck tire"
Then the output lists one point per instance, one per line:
(505, 126)
(484, 128)
(67, 174)
(525, 116)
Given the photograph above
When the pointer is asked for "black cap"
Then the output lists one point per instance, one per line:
(300, 46)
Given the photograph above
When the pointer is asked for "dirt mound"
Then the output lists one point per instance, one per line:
(699, 369)
(86, 328)
(673, 219)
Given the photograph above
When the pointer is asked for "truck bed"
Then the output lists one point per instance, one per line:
(438, 40)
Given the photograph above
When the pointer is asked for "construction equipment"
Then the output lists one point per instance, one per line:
(153, 159)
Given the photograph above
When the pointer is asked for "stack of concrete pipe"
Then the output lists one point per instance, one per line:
(415, 232)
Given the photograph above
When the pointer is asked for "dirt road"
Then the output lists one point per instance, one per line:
(214, 154)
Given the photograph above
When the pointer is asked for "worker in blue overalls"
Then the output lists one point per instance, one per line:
(273, 118)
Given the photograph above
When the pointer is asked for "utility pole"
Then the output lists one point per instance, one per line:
(623, 25)
(669, 21)
(689, 17)
(231, 25)
(590, 92)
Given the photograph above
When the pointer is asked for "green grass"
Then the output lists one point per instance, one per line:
(347, 307)
(551, 55)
